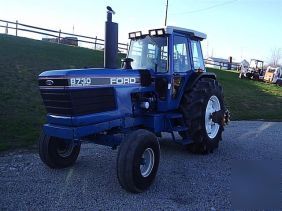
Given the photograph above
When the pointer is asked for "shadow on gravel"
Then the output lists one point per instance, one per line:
(168, 145)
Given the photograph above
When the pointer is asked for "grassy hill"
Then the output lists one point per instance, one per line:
(250, 100)
(21, 61)
(21, 110)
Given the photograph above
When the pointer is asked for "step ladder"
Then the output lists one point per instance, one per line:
(171, 119)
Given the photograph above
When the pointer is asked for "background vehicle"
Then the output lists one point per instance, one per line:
(254, 71)
(272, 74)
(162, 87)
(243, 69)
(69, 41)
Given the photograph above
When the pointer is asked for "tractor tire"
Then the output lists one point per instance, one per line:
(138, 161)
(196, 106)
(57, 152)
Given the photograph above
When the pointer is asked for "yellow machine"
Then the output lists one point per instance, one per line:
(272, 74)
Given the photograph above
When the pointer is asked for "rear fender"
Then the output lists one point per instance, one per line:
(195, 77)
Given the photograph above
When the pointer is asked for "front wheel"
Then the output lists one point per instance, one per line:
(57, 152)
(138, 161)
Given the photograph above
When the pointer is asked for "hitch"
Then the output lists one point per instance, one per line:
(221, 117)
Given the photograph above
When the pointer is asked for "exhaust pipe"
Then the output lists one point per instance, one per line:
(111, 41)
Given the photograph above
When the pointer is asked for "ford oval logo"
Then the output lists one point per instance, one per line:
(49, 82)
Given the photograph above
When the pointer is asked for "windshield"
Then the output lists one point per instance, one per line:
(270, 70)
(149, 53)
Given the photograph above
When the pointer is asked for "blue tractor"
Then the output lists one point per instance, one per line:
(162, 86)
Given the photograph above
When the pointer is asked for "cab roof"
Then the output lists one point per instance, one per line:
(170, 29)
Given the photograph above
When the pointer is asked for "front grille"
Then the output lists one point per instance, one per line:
(78, 102)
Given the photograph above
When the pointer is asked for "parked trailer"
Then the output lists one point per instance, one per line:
(162, 87)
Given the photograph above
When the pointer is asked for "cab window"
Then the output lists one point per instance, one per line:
(198, 60)
(180, 54)
(149, 53)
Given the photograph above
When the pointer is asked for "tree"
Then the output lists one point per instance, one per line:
(276, 55)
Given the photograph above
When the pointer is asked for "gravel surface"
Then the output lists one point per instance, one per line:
(184, 181)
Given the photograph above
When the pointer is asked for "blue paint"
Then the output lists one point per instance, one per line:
(125, 117)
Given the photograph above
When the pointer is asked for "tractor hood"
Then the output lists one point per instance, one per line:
(78, 97)
(90, 77)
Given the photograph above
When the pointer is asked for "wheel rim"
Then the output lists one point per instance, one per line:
(147, 162)
(213, 105)
(65, 148)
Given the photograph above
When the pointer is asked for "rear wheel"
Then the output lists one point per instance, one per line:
(203, 110)
(57, 152)
(138, 161)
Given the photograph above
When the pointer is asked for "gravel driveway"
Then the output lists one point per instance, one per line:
(184, 181)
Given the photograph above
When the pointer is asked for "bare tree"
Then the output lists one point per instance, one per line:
(276, 55)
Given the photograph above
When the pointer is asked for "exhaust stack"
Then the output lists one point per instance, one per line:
(111, 41)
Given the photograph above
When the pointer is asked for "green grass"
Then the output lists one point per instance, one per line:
(250, 100)
(22, 113)
(21, 61)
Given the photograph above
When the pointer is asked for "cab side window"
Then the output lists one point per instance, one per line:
(181, 54)
(197, 55)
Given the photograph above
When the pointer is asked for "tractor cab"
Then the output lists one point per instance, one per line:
(256, 69)
(172, 55)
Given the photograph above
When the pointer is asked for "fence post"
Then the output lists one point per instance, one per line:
(6, 29)
(17, 28)
(59, 38)
(95, 43)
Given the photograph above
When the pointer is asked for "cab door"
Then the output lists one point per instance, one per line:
(181, 68)
(198, 60)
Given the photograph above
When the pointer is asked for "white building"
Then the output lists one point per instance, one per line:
(217, 63)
